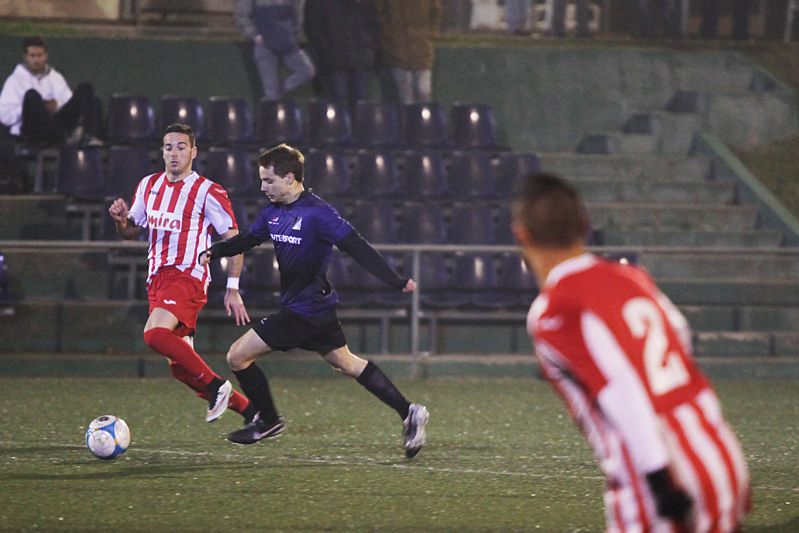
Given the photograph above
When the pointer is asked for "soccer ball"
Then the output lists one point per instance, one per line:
(108, 436)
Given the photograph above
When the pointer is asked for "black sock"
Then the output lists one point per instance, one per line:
(373, 380)
(214, 386)
(249, 412)
(255, 386)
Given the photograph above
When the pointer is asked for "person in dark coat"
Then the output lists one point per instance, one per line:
(343, 36)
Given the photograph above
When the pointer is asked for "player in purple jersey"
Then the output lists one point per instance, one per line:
(303, 229)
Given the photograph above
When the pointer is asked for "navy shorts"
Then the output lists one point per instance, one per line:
(285, 330)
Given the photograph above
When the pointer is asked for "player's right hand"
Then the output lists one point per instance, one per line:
(119, 210)
(204, 258)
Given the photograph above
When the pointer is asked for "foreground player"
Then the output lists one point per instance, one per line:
(618, 353)
(303, 229)
(178, 207)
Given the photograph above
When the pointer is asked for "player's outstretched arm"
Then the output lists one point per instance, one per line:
(234, 304)
(374, 263)
(236, 245)
(124, 225)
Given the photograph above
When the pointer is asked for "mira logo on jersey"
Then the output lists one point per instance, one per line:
(164, 221)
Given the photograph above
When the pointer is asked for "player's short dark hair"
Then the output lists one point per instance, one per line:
(551, 210)
(33, 40)
(284, 159)
(177, 127)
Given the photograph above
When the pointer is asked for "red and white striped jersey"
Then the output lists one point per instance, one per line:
(619, 353)
(179, 217)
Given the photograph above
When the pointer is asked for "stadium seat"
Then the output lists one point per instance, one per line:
(279, 121)
(474, 282)
(80, 173)
(377, 175)
(424, 125)
(234, 169)
(471, 175)
(261, 281)
(471, 224)
(473, 126)
(229, 120)
(502, 227)
(126, 166)
(375, 221)
(513, 167)
(327, 173)
(424, 175)
(434, 280)
(422, 224)
(517, 281)
(377, 124)
(182, 109)
(329, 123)
(131, 119)
(349, 286)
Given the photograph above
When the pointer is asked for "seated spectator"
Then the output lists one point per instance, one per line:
(37, 104)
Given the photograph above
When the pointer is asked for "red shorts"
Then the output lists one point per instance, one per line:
(179, 293)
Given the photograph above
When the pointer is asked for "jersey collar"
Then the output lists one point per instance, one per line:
(570, 266)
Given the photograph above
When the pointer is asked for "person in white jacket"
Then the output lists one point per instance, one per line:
(37, 104)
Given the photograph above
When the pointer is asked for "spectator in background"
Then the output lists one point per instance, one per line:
(517, 12)
(407, 29)
(710, 19)
(344, 38)
(37, 104)
(273, 28)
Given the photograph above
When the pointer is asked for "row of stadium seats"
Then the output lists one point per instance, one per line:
(229, 121)
(450, 281)
(95, 173)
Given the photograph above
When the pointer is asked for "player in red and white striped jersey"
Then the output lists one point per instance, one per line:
(618, 352)
(178, 208)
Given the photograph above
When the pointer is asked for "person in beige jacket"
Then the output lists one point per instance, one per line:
(407, 30)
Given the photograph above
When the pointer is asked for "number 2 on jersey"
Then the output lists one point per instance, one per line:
(665, 370)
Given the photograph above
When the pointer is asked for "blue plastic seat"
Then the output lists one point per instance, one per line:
(80, 173)
(377, 175)
(234, 169)
(471, 224)
(375, 221)
(327, 173)
(471, 175)
(512, 168)
(517, 281)
(329, 123)
(184, 110)
(473, 126)
(261, 279)
(126, 167)
(229, 121)
(279, 121)
(422, 224)
(424, 175)
(474, 279)
(424, 125)
(131, 119)
(376, 124)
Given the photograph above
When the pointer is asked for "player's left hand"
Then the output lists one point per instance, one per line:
(410, 286)
(234, 305)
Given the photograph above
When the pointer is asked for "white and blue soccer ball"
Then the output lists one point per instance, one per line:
(108, 436)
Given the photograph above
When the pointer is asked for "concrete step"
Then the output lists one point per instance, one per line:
(780, 293)
(640, 167)
(672, 191)
(54, 273)
(33, 217)
(615, 142)
(782, 319)
(746, 343)
(680, 237)
(690, 217)
(674, 132)
(697, 76)
(765, 264)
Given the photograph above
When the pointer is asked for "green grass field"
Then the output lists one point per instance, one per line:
(501, 455)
